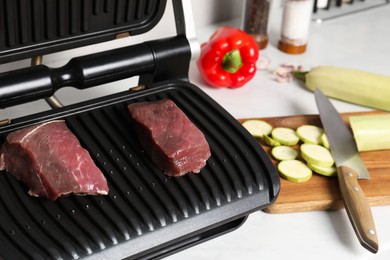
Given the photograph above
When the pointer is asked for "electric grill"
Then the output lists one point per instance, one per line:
(146, 213)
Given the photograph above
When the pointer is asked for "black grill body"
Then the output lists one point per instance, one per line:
(146, 213)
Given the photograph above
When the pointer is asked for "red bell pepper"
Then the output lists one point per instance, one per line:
(229, 58)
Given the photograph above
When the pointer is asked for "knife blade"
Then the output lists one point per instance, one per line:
(350, 168)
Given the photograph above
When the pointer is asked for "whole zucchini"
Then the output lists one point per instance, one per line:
(371, 132)
(355, 86)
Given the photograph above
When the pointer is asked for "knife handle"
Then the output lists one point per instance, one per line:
(358, 209)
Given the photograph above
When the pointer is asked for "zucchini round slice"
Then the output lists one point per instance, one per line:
(294, 170)
(284, 152)
(324, 141)
(270, 142)
(257, 128)
(325, 171)
(310, 134)
(285, 136)
(317, 155)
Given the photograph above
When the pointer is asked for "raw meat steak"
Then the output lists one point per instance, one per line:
(49, 159)
(172, 141)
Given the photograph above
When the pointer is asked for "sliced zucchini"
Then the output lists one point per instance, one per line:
(285, 136)
(317, 155)
(270, 142)
(284, 152)
(324, 141)
(294, 170)
(257, 128)
(326, 171)
(310, 134)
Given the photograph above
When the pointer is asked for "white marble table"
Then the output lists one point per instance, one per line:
(360, 41)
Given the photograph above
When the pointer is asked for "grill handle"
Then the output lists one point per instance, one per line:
(149, 58)
(29, 84)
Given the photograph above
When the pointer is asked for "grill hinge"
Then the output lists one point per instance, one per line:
(4, 122)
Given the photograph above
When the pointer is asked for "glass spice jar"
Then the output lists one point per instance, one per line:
(295, 25)
(255, 20)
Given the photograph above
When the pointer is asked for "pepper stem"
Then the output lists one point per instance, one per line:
(232, 61)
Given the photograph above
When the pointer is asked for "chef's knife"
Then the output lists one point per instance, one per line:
(350, 167)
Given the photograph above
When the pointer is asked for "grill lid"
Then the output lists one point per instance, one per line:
(30, 28)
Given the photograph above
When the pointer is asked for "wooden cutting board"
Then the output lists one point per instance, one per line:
(322, 193)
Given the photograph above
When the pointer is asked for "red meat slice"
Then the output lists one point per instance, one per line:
(49, 159)
(172, 141)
